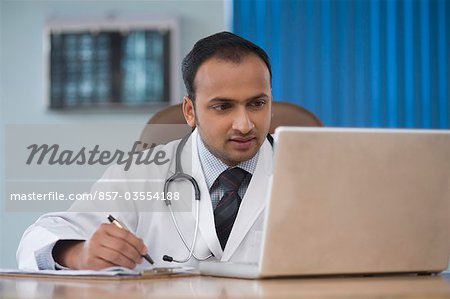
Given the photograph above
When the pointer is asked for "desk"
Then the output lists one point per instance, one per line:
(210, 287)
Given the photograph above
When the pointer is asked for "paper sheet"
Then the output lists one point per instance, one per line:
(113, 271)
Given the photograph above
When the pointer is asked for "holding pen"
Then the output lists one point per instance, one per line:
(122, 226)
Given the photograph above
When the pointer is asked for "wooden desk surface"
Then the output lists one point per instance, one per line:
(210, 287)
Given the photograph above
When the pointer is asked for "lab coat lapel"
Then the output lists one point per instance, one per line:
(206, 223)
(253, 202)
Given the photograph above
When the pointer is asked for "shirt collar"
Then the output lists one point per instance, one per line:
(212, 166)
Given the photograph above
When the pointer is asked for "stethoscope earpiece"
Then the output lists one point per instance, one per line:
(167, 258)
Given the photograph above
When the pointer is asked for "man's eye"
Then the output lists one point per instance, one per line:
(258, 103)
(221, 107)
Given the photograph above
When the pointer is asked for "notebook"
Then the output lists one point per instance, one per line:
(353, 202)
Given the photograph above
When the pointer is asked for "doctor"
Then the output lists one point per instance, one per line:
(228, 102)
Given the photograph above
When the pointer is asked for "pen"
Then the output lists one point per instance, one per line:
(122, 226)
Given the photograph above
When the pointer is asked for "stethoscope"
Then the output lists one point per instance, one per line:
(180, 175)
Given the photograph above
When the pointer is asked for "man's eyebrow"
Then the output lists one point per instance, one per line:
(259, 96)
(225, 100)
(220, 100)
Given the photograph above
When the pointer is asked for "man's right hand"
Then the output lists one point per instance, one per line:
(109, 246)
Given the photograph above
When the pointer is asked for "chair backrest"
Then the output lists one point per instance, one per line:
(291, 115)
(284, 114)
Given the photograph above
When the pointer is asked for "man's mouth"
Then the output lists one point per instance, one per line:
(242, 142)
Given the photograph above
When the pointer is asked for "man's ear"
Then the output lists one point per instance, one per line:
(189, 111)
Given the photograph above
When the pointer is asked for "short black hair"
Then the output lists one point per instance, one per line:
(223, 45)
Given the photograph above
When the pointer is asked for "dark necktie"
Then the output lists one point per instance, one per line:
(226, 211)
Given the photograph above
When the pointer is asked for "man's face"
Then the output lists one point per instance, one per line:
(232, 107)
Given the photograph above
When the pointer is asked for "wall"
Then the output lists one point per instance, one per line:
(22, 80)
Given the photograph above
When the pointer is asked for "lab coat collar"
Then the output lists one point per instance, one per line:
(207, 224)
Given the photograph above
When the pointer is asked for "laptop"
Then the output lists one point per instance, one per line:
(353, 202)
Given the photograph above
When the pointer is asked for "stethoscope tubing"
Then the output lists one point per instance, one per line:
(179, 174)
(191, 249)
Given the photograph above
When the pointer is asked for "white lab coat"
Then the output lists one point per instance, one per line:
(157, 228)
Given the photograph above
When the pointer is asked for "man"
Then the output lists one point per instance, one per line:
(228, 81)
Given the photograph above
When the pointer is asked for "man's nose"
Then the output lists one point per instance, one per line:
(242, 122)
